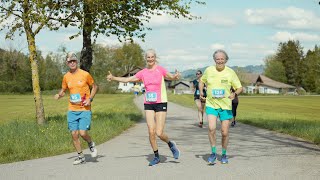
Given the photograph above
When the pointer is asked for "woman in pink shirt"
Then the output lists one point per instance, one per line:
(155, 101)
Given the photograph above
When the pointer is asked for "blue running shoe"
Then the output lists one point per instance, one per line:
(212, 158)
(155, 161)
(224, 159)
(175, 151)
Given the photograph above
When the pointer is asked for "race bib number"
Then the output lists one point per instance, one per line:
(197, 92)
(75, 98)
(218, 93)
(151, 97)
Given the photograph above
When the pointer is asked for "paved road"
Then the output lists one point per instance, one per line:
(253, 154)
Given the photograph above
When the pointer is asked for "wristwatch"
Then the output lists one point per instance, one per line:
(91, 99)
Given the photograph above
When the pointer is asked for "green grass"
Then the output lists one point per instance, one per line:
(294, 115)
(22, 139)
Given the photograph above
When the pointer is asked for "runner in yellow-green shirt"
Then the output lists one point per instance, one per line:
(219, 79)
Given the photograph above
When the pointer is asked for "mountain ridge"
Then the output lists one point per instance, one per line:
(256, 69)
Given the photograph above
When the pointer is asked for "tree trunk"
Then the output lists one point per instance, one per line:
(35, 79)
(86, 52)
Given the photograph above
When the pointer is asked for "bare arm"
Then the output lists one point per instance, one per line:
(237, 91)
(201, 86)
(94, 90)
(60, 94)
(110, 77)
(193, 87)
(175, 76)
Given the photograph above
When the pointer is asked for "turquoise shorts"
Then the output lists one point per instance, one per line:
(79, 120)
(223, 114)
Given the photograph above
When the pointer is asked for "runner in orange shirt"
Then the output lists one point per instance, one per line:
(78, 82)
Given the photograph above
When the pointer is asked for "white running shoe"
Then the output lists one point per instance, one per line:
(79, 160)
(93, 150)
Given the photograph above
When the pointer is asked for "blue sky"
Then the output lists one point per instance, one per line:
(249, 30)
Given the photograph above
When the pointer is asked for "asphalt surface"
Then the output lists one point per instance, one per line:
(253, 154)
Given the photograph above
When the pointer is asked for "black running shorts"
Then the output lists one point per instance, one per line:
(156, 107)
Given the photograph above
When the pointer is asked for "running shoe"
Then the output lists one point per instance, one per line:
(79, 160)
(175, 151)
(212, 158)
(224, 159)
(155, 161)
(93, 149)
(200, 125)
(233, 123)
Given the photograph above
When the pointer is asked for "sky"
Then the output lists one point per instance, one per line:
(248, 30)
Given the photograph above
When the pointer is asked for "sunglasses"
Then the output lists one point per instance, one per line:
(198, 74)
(72, 61)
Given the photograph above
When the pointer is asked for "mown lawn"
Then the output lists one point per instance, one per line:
(21, 138)
(295, 115)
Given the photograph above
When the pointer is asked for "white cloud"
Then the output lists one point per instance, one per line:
(166, 20)
(216, 46)
(7, 22)
(242, 54)
(183, 59)
(109, 41)
(238, 45)
(285, 36)
(219, 21)
(291, 17)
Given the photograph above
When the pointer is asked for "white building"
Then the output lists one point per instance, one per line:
(128, 87)
(263, 85)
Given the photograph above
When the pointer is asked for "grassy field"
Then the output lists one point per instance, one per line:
(295, 115)
(21, 138)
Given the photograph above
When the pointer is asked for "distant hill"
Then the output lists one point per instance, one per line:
(256, 69)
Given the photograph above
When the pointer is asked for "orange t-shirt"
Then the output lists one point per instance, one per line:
(78, 84)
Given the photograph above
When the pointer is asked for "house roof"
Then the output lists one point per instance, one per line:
(181, 82)
(133, 71)
(250, 78)
(264, 80)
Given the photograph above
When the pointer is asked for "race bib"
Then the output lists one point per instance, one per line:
(151, 97)
(197, 92)
(218, 93)
(75, 98)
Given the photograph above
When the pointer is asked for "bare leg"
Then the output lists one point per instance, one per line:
(212, 120)
(160, 124)
(200, 107)
(225, 133)
(151, 128)
(203, 105)
(76, 141)
(85, 135)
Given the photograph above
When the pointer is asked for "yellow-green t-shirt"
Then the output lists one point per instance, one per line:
(78, 84)
(220, 83)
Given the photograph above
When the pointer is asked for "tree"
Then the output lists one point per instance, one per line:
(119, 60)
(29, 17)
(50, 73)
(124, 18)
(311, 78)
(15, 73)
(291, 54)
(274, 69)
(127, 57)
(104, 61)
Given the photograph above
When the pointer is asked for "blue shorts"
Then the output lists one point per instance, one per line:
(136, 93)
(223, 114)
(79, 120)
